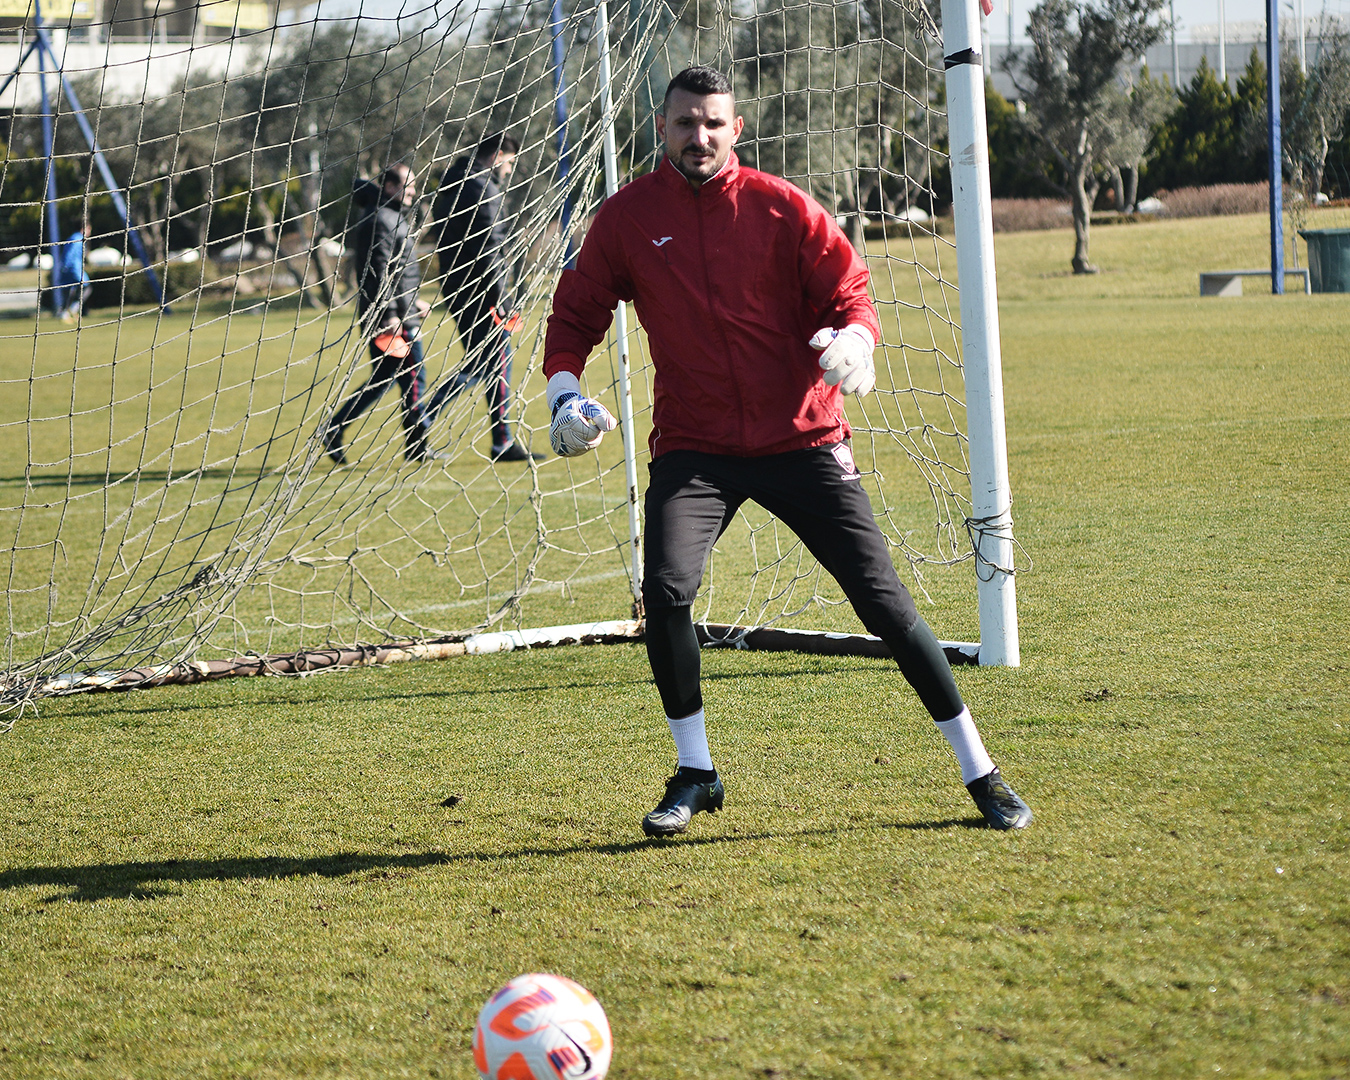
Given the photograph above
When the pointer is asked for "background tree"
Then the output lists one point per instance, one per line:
(1129, 127)
(1202, 141)
(1019, 166)
(843, 102)
(1336, 174)
(212, 161)
(1070, 81)
(268, 156)
(1313, 110)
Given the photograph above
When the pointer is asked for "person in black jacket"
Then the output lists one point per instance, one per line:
(474, 233)
(388, 310)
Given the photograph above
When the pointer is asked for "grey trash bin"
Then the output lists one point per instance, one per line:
(1328, 259)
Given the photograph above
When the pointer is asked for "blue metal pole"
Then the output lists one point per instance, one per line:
(32, 47)
(53, 224)
(114, 192)
(560, 118)
(1276, 150)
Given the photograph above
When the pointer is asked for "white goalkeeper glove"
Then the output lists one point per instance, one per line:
(579, 423)
(847, 359)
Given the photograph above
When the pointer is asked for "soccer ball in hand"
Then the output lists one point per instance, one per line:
(542, 1027)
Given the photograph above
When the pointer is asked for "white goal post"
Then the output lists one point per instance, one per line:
(168, 511)
(990, 492)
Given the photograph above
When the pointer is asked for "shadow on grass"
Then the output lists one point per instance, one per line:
(146, 880)
(148, 476)
(95, 705)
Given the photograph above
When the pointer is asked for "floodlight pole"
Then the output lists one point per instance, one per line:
(1276, 148)
(1176, 61)
(990, 522)
(1223, 46)
(1302, 40)
(621, 314)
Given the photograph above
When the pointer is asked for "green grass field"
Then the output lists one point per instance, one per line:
(265, 878)
(137, 452)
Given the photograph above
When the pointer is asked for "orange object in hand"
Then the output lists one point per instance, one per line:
(512, 322)
(393, 343)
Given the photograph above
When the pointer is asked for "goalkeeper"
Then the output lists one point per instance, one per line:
(758, 315)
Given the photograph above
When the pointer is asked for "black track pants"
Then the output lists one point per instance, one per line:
(818, 494)
(387, 370)
(487, 362)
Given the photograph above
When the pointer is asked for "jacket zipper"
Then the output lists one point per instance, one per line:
(732, 373)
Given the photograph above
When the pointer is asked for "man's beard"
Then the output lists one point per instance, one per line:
(696, 172)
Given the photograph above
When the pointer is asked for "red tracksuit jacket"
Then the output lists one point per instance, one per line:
(729, 280)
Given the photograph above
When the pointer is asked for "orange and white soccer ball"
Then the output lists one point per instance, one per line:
(542, 1027)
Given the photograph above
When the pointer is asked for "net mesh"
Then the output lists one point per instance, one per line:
(166, 492)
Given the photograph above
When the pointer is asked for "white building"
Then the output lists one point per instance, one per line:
(1179, 63)
(139, 48)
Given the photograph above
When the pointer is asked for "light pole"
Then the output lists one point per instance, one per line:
(1223, 46)
(1302, 41)
(1176, 62)
(1276, 150)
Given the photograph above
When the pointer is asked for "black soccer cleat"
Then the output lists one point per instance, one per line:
(513, 451)
(1000, 804)
(686, 795)
(332, 445)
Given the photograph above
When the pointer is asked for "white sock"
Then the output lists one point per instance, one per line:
(691, 741)
(965, 739)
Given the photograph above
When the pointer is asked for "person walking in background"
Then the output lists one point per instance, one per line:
(389, 311)
(72, 295)
(759, 319)
(473, 232)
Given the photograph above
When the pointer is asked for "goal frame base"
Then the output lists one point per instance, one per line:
(469, 643)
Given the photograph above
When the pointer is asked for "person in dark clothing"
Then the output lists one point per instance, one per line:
(473, 234)
(388, 309)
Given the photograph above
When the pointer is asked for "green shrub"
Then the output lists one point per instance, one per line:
(115, 288)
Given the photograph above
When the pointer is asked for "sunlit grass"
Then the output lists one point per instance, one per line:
(269, 878)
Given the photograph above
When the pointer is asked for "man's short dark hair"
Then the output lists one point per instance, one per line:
(499, 142)
(396, 175)
(698, 80)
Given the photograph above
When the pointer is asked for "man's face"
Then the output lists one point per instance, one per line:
(699, 132)
(503, 165)
(405, 190)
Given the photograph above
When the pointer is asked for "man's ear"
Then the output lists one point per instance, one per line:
(661, 126)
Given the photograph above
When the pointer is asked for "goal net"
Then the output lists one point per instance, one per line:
(168, 505)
